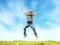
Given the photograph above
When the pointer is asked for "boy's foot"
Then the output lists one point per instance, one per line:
(25, 36)
(36, 36)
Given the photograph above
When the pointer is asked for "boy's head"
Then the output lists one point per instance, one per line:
(29, 12)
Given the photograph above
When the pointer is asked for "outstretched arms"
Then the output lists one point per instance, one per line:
(36, 13)
(23, 11)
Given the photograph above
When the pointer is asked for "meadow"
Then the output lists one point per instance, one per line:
(29, 43)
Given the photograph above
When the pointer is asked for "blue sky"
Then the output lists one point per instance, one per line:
(12, 20)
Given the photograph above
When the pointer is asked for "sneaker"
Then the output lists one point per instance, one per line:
(25, 36)
(36, 36)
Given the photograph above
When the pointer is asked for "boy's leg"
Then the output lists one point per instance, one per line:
(34, 30)
(25, 30)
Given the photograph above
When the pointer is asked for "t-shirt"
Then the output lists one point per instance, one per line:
(30, 17)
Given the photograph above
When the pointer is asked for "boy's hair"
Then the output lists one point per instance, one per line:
(30, 11)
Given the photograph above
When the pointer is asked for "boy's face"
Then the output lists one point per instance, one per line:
(29, 12)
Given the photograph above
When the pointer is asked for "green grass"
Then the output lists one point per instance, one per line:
(29, 43)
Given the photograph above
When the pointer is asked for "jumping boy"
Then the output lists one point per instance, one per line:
(29, 21)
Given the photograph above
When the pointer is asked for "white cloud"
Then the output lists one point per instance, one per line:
(46, 34)
(56, 12)
(51, 34)
(34, 4)
(17, 31)
(17, 34)
(57, 2)
(6, 16)
(50, 23)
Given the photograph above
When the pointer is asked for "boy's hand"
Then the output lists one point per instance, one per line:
(21, 9)
(38, 12)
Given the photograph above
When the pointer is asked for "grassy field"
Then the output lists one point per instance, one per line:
(29, 43)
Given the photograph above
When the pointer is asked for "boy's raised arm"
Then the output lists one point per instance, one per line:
(23, 11)
(36, 13)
